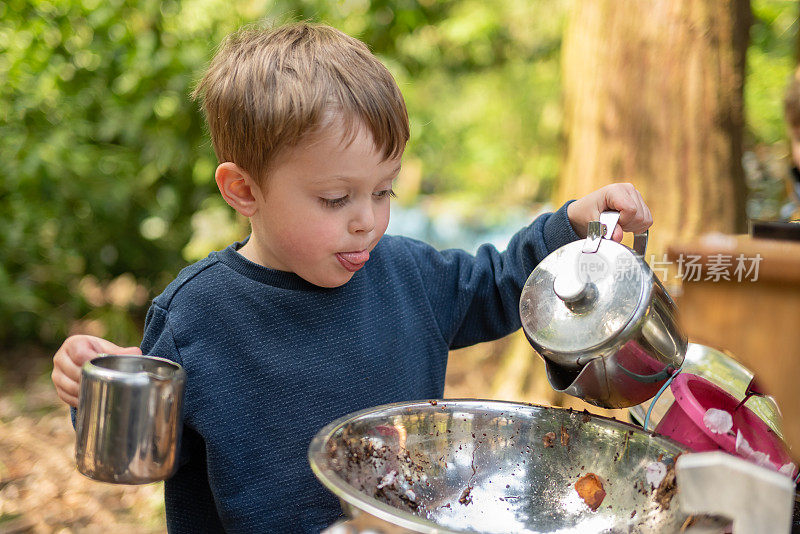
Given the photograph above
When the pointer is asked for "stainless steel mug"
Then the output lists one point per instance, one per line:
(129, 418)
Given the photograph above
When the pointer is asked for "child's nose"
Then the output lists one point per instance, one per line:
(362, 220)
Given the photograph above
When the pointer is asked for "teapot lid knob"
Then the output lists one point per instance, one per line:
(569, 288)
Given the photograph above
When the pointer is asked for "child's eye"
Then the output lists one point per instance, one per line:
(385, 193)
(334, 202)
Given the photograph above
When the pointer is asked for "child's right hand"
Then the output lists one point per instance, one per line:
(74, 352)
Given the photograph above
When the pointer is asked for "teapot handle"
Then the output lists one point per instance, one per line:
(640, 243)
(610, 219)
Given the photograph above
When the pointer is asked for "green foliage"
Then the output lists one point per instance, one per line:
(99, 143)
(108, 184)
(770, 62)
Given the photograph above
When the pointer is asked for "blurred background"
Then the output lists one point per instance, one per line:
(107, 188)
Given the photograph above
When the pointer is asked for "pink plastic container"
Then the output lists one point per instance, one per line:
(683, 422)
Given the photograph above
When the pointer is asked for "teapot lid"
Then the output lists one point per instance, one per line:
(575, 302)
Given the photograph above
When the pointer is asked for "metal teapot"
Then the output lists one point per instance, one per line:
(601, 320)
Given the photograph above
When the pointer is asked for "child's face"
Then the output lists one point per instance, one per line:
(323, 208)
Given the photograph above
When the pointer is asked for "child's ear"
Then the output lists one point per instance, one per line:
(236, 186)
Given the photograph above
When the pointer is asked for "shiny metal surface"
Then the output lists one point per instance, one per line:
(486, 466)
(129, 419)
(565, 333)
(640, 242)
(632, 369)
(609, 219)
(616, 338)
(593, 237)
(724, 371)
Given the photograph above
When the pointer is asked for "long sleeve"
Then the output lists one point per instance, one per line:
(476, 298)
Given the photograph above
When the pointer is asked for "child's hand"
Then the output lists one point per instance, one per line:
(634, 215)
(74, 352)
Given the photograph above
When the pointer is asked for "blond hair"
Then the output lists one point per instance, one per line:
(266, 90)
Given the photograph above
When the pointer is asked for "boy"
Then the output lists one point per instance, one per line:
(315, 314)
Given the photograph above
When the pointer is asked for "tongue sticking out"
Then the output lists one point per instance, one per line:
(355, 257)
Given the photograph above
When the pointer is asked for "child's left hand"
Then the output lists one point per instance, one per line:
(634, 215)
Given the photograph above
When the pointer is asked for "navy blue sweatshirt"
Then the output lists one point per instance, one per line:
(270, 359)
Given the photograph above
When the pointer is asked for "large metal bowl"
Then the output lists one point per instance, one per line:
(485, 466)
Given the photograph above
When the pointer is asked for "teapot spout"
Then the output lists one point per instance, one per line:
(620, 380)
(588, 384)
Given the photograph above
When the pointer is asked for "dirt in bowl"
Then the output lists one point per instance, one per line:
(667, 489)
(590, 489)
(359, 460)
(466, 498)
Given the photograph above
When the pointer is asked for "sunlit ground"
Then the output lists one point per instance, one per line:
(40, 489)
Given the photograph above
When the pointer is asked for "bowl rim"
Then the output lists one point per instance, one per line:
(370, 505)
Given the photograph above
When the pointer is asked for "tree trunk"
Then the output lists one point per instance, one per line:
(654, 96)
